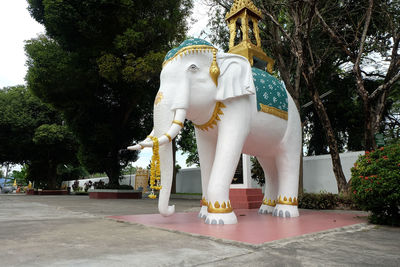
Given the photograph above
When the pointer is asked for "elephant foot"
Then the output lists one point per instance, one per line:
(203, 212)
(265, 209)
(221, 218)
(285, 211)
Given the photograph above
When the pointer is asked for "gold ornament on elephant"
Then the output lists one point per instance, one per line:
(214, 117)
(270, 202)
(155, 173)
(287, 201)
(158, 99)
(214, 69)
(219, 208)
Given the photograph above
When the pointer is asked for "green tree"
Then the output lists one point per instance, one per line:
(32, 133)
(99, 65)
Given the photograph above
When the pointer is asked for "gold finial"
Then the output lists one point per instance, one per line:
(243, 20)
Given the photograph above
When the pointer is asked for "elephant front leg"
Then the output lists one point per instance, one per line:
(228, 150)
(206, 143)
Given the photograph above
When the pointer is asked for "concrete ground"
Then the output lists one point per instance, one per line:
(74, 231)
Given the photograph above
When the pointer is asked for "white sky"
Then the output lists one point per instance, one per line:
(17, 26)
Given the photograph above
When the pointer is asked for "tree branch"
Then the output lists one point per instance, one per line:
(333, 35)
(384, 86)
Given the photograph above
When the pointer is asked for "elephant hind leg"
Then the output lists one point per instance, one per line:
(271, 184)
(288, 166)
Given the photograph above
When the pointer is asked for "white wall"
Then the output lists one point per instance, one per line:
(126, 180)
(188, 181)
(318, 173)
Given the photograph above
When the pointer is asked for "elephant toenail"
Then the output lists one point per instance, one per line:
(214, 221)
(287, 214)
(281, 213)
(221, 221)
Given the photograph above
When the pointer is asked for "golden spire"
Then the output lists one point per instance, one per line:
(245, 39)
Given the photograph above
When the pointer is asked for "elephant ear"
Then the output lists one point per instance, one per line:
(235, 77)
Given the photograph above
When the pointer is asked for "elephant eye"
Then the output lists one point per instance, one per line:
(193, 67)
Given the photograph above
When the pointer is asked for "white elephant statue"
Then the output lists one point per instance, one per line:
(235, 109)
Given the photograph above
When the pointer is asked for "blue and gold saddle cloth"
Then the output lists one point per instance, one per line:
(271, 95)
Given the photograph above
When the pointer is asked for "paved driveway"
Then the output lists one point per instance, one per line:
(74, 231)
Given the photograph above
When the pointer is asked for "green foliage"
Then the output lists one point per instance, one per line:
(257, 172)
(375, 184)
(76, 187)
(99, 65)
(101, 185)
(21, 176)
(324, 200)
(186, 142)
(320, 201)
(129, 170)
(32, 134)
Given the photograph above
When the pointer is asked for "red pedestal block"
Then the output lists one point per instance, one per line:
(116, 195)
(245, 198)
(31, 192)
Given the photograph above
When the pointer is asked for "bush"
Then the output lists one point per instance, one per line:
(76, 187)
(324, 200)
(375, 184)
(321, 201)
(125, 187)
(101, 185)
(88, 185)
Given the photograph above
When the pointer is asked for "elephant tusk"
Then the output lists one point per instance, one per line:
(135, 147)
(145, 143)
(176, 126)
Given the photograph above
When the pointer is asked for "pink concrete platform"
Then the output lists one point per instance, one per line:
(252, 228)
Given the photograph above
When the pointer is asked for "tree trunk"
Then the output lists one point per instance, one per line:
(52, 175)
(113, 170)
(368, 129)
(330, 137)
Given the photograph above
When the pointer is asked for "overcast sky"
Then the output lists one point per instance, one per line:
(16, 26)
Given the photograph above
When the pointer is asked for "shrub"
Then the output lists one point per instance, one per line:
(99, 185)
(125, 187)
(76, 187)
(375, 184)
(321, 201)
(88, 185)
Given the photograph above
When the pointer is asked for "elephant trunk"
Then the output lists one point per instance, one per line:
(163, 123)
(167, 168)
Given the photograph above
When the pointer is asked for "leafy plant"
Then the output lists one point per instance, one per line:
(375, 184)
(257, 172)
(320, 201)
(99, 185)
(102, 185)
(88, 185)
(325, 200)
(76, 187)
